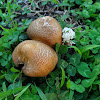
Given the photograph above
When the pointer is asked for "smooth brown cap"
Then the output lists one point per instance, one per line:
(38, 58)
(45, 29)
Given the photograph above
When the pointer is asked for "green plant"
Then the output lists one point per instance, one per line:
(77, 74)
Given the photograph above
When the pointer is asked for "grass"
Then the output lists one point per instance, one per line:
(77, 73)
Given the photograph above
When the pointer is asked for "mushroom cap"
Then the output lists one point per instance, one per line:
(38, 58)
(45, 29)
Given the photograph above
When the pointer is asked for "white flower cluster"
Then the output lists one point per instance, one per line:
(67, 35)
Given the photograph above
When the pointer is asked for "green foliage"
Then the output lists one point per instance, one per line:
(78, 87)
(84, 70)
(63, 77)
(77, 73)
(71, 70)
(16, 98)
(63, 49)
(41, 94)
(9, 92)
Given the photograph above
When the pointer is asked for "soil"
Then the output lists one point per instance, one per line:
(39, 10)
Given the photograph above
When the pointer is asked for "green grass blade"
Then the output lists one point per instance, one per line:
(4, 88)
(5, 29)
(41, 94)
(76, 49)
(7, 93)
(87, 47)
(30, 1)
(15, 25)
(57, 47)
(16, 98)
(8, 3)
(23, 26)
(15, 79)
(54, 1)
(63, 77)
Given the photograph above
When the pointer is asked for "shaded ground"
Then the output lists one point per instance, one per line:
(37, 9)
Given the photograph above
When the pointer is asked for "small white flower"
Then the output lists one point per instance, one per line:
(67, 35)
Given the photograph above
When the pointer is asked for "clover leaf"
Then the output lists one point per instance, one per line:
(79, 88)
(84, 70)
(71, 70)
(75, 59)
(88, 82)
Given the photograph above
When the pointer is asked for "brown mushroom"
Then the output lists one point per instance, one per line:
(45, 29)
(38, 58)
